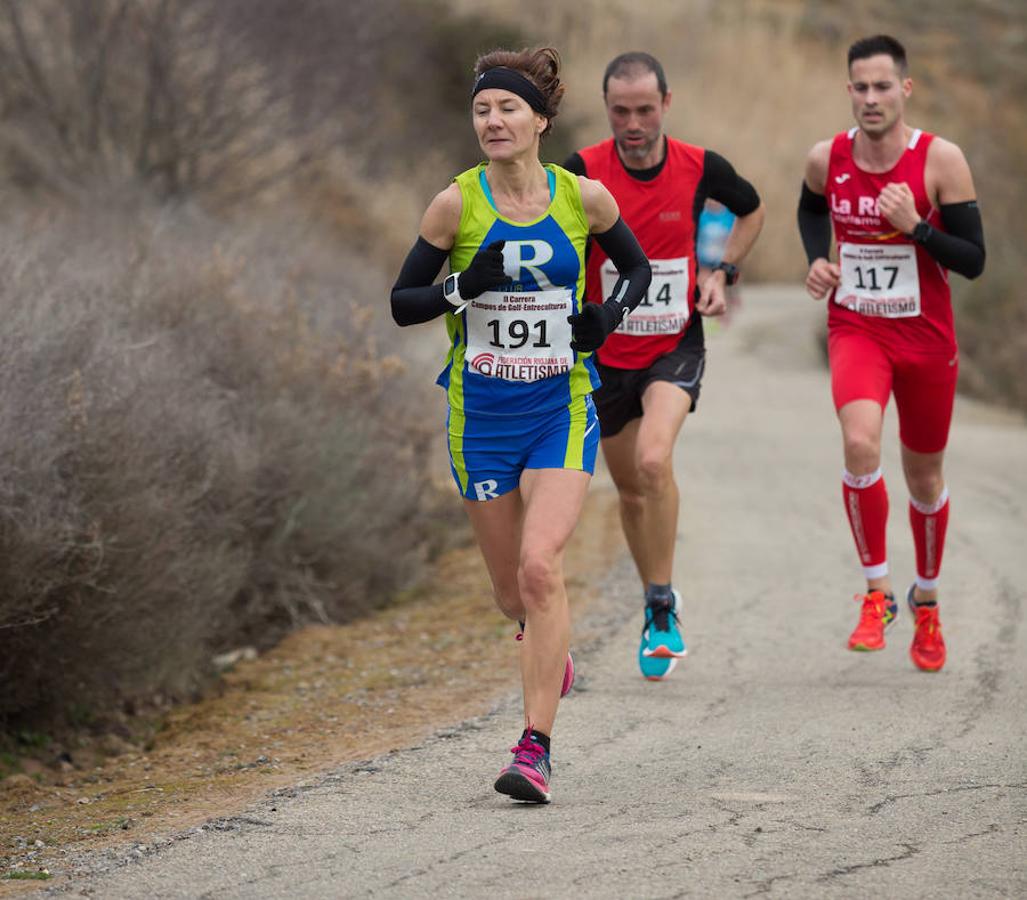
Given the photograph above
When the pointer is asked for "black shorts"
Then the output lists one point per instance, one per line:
(619, 400)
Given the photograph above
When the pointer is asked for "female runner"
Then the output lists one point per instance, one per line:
(519, 374)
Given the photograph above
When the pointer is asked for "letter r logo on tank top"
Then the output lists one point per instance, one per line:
(519, 256)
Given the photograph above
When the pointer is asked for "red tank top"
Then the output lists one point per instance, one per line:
(663, 215)
(890, 287)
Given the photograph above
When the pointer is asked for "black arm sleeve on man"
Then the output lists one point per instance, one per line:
(575, 164)
(814, 224)
(961, 246)
(721, 182)
(414, 298)
(621, 245)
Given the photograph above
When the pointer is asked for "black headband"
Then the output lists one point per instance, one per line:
(510, 80)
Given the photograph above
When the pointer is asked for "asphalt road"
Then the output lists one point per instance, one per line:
(773, 762)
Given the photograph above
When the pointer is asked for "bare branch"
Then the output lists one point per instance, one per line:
(99, 75)
(35, 74)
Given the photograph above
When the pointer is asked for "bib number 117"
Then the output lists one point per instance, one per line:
(870, 284)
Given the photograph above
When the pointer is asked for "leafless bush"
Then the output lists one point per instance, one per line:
(225, 96)
(202, 442)
(194, 452)
(991, 320)
(159, 89)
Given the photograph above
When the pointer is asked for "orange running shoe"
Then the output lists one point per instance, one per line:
(928, 648)
(879, 611)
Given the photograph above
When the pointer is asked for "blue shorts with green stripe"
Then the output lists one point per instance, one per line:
(488, 453)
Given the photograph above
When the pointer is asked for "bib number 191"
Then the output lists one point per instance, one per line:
(518, 333)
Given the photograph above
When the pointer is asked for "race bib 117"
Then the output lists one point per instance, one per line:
(879, 280)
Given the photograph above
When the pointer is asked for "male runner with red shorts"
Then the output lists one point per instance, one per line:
(651, 367)
(904, 212)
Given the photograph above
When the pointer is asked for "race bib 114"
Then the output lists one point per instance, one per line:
(665, 308)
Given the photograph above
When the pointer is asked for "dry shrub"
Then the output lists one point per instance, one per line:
(203, 442)
(226, 98)
(202, 445)
(991, 320)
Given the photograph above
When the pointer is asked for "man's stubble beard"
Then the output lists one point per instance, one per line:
(639, 152)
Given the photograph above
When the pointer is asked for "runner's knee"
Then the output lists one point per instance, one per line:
(632, 496)
(925, 484)
(654, 470)
(539, 578)
(862, 450)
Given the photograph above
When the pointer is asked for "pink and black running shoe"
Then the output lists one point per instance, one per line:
(527, 777)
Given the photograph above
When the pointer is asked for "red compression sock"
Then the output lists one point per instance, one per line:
(929, 523)
(866, 505)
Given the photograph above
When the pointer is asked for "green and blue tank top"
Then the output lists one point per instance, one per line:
(510, 348)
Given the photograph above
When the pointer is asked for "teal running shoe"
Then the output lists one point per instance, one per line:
(661, 632)
(654, 668)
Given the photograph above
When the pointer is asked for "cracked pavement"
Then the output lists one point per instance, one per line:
(772, 763)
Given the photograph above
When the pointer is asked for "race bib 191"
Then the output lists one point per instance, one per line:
(879, 280)
(665, 308)
(520, 336)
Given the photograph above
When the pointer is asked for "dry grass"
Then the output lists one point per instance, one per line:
(195, 454)
(324, 696)
(210, 438)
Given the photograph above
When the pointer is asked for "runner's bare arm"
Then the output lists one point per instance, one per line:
(947, 174)
(712, 297)
(823, 275)
(600, 207)
(442, 218)
(960, 247)
(816, 167)
(414, 297)
(743, 235)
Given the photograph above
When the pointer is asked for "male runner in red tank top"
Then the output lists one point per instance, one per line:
(651, 367)
(904, 212)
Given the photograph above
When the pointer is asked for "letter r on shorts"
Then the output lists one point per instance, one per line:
(486, 490)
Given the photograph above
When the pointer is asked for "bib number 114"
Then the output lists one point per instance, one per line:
(662, 296)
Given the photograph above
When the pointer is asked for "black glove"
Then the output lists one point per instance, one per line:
(484, 273)
(593, 325)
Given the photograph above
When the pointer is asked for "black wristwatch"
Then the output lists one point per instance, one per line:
(921, 232)
(730, 270)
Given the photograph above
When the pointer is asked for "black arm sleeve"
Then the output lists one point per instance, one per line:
(725, 185)
(961, 246)
(814, 224)
(575, 164)
(414, 298)
(620, 244)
